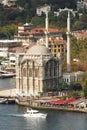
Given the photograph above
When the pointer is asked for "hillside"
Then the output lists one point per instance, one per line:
(25, 11)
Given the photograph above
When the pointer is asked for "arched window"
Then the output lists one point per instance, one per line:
(24, 72)
(30, 72)
(36, 72)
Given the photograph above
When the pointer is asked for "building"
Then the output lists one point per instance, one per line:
(72, 77)
(36, 71)
(8, 43)
(12, 60)
(57, 46)
(80, 34)
(24, 34)
(28, 33)
(8, 2)
(81, 4)
(4, 52)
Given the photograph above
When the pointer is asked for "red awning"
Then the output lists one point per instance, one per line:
(70, 100)
(60, 102)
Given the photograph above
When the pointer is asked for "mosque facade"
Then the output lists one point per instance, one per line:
(37, 71)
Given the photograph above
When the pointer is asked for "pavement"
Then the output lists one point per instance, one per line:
(8, 92)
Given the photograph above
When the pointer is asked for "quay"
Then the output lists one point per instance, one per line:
(52, 107)
(7, 96)
(36, 103)
(8, 93)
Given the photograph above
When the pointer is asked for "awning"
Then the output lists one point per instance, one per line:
(58, 102)
(70, 100)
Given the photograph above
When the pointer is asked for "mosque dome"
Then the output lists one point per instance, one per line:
(38, 50)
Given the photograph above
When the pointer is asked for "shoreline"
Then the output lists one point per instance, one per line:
(9, 93)
(79, 110)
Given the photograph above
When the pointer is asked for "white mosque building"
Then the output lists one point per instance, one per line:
(37, 70)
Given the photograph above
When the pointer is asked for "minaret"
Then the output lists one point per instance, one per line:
(46, 27)
(68, 43)
(45, 9)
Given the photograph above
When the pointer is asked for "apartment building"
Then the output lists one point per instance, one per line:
(8, 2)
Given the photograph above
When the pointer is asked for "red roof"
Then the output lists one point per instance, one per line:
(39, 30)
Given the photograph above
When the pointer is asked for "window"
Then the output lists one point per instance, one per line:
(36, 72)
(30, 72)
(24, 72)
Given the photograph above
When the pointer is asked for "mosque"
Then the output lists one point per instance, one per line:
(37, 70)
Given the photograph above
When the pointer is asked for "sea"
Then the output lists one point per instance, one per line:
(11, 117)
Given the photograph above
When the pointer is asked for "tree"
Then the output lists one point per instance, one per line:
(85, 89)
(75, 86)
(8, 31)
(24, 3)
(84, 78)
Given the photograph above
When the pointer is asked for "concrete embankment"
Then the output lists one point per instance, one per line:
(8, 92)
(12, 93)
(59, 108)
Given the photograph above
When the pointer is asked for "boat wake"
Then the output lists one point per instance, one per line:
(17, 115)
(23, 115)
(12, 115)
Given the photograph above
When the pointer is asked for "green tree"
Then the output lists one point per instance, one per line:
(9, 31)
(75, 86)
(85, 89)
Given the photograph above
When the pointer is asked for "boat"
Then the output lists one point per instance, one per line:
(7, 101)
(34, 113)
(2, 100)
(7, 75)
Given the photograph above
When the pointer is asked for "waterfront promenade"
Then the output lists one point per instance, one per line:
(53, 107)
(8, 92)
(36, 104)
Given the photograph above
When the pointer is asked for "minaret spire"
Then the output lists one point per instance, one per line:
(45, 9)
(46, 27)
(68, 43)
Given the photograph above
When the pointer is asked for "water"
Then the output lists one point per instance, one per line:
(7, 83)
(11, 118)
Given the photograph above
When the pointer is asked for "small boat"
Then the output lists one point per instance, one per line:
(8, 75)
(2, 100)
(34, 113)
(7, 101)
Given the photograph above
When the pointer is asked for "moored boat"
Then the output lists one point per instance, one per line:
(8, 75)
